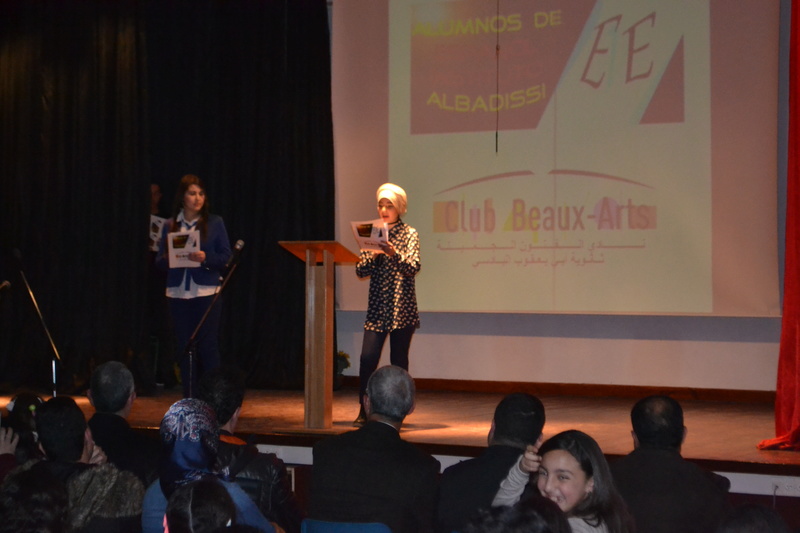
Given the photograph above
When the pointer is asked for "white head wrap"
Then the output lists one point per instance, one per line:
(394, 194)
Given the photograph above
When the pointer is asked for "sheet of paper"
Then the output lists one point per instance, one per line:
(370, 234)
(180, 245)
(156, 225)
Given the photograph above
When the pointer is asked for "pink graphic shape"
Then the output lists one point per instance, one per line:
(667, 104)
(467, 79)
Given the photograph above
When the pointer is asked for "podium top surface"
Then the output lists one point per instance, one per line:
(340, 253)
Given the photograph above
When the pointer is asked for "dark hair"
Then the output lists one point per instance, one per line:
(753, 518)
(517, 519)
(199, 507)
(111, 385)
(549, 510)
(603, 505)
(518, 420)
(34, 501)
(22, 419)
(658, 422)
(187, 181)
(223, 389)
(61, 428)
(391, 393)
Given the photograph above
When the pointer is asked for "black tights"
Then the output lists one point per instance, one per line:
(399, 343)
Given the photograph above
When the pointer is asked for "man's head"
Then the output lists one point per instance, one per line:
(111, 389)
(223, 389)
(390, 394)
(518, 420)
(61, 428)
(658, 422)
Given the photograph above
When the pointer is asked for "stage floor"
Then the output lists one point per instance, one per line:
(722, 435)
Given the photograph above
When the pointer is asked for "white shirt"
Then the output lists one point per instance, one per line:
(191, 289)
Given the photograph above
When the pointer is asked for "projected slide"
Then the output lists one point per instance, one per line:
(558, 156)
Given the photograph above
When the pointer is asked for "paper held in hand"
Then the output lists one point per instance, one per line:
(370, 234)
(180, 245)
(156, 225)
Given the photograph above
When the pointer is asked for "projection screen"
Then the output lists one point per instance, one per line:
(591, 156)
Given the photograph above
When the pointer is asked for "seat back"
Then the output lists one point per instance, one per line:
(320, 526)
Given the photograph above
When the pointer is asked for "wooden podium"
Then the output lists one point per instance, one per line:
(319, 324)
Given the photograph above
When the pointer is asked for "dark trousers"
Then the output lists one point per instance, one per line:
(186, 314)
(399, 343)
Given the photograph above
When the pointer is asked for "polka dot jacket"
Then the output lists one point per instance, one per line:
(392, 297)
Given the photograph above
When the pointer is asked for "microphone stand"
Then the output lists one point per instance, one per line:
(56, 356)
(191, 345)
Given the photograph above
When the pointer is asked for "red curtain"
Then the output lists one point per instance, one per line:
(787, 402)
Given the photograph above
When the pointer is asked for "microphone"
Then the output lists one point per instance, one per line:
(5, 285)
(237, 251)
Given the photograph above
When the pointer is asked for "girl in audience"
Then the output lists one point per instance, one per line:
(574, 474)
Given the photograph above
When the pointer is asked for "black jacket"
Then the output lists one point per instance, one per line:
(665, 493)
(126, 448)
(264, 478)
(471, 485)
(372, 475)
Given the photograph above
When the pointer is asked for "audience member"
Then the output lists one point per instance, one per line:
(263, 476)
(573, 472)
(473, 484)
(752, 518)
(371, 474)
(531, 515)
(202, 506)
(514, 519)
(8, 448)
(33, 502)
(22, 419)
(112, 393)
(664, 492)
(189, 442)
(549, 510)
(101, 498)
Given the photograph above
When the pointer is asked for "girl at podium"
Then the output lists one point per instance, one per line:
(392, 308)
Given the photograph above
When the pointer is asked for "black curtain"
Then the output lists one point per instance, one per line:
(100, 99)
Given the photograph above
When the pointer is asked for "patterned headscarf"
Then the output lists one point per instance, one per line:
(189, 441)
(394, 194)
